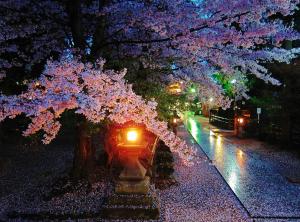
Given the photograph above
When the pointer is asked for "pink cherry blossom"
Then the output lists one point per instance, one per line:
(91, 91)
(200, 38)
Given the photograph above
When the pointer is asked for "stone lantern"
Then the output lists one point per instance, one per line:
(131, 147)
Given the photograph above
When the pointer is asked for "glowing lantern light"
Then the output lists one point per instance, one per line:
(132, 135)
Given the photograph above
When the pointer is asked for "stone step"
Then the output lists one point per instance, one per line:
(135, 212)
(117, 199)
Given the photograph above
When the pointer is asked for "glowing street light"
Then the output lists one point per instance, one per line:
(192, 89)
(211, 99)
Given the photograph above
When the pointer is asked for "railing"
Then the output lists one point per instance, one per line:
(222, 122)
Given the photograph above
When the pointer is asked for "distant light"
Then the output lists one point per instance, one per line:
(241, 120)
(174, 88)
(233, 81)
(132, 135)
(211, 99)
(193, 90)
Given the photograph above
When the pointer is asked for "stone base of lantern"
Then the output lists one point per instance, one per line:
(133, 187)
(131, 206)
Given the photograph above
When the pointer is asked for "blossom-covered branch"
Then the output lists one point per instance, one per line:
(91, 91)
(199, 37)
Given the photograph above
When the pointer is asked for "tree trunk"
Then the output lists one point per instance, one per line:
(100, 35)
(84, 154)
(74, 13)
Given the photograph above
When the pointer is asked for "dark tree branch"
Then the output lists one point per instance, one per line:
(191, 30)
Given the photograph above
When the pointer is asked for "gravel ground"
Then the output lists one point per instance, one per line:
(201, 195)
(23, 167)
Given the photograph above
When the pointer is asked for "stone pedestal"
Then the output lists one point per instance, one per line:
(132, 197)
(133, 187)
(132, 168)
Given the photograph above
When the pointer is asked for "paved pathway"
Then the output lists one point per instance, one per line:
(254, 178)
(201, 195)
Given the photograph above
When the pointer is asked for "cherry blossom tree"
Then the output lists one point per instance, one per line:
(188, 40)
(31, 31)
(197, 37)
(93, 93)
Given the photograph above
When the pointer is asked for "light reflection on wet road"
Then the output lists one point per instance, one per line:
(262, 190)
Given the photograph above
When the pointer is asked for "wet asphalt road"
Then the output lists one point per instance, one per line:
(254, 179)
